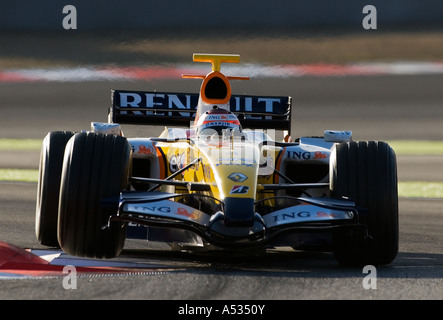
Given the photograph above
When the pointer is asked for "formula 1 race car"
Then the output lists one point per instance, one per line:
(216, 179)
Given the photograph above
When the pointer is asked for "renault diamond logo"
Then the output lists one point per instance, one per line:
(237, 177)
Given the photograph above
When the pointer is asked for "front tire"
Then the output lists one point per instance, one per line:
(96, 167)
(366, 172)
(48, 188)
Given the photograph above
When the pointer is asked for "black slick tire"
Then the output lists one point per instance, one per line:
(96, 167)
(48, 187)
(366, 172)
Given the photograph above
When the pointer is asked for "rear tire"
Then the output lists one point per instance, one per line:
(366, 172)
(48, 188)
(96, 166)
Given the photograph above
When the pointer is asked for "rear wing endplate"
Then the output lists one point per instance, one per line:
(178, 109)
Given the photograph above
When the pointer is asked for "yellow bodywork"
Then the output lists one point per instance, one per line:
(232, 168)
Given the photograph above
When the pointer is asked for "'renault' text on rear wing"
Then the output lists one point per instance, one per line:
(178, 109)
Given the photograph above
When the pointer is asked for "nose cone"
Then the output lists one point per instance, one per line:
(239, 212)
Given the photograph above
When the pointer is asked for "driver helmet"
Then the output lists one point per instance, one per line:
(217, 121)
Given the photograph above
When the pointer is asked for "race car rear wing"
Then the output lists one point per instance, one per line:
(178, 109)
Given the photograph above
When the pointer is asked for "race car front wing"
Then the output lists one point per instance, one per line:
(174, 211)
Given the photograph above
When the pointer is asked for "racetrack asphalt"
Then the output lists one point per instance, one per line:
(374, 108)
